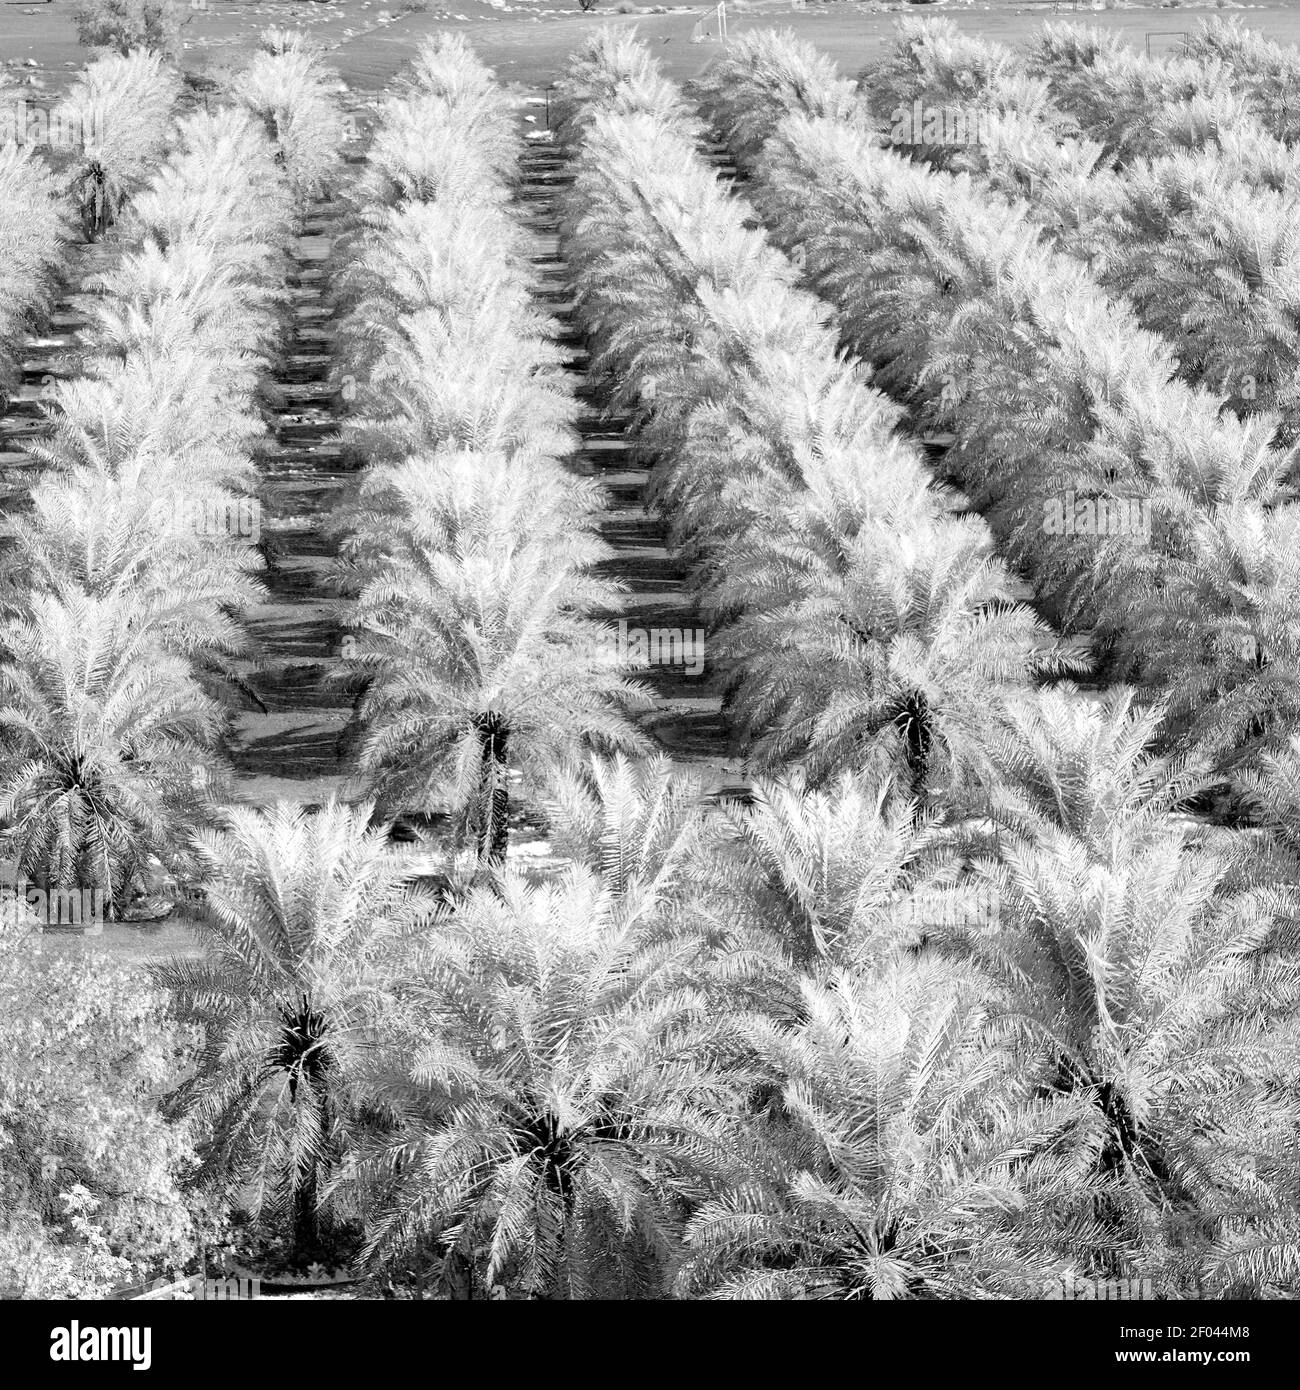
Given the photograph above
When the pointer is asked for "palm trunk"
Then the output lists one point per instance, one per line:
(492, 813)
(918, 739)
(306, 1223)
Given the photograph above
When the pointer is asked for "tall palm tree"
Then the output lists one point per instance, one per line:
(302, 914)
(559, 1084)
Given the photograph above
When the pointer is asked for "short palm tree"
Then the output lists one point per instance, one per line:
(108, 742)
(1136, 973)
(558, 1085)
(906, 1156)
(884, 656)
(1220, 633)
(638, 822)
(614, 72)
(301, 912)
(838, 876)
(474, 579)
(1086, 765)
(764, 76)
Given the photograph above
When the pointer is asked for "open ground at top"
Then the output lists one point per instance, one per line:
(528, 41)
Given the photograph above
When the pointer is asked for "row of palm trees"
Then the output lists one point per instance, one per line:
(92, 151)
(122, 628)
(1054, 391)
(784, 1050)
(864, 622)
(1267, 72)
(287, 86)
(1195, 233)
(828, 1044)
(470, 555)
(1122, 98)
(33, 233)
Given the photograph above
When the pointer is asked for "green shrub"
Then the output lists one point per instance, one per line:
(91, 1170)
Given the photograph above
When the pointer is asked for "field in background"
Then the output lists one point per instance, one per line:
(528, 42)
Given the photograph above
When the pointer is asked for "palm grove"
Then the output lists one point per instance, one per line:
(987, 985)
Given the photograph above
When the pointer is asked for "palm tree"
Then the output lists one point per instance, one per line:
(637, 822)
(119, 115)
(1084, 765)
(906, 1156)
(445, 71)
(132, 551)
(615, 72)
(302, 914)
(763, 76)
(844, 876)
(473, 580)
(1139, 977)
(559, 1085)
(885, 655)
(109, 741)
(932, 63)
(222, 189)
(1265, 70)
(1220, 633)
(33, 230)
(286, 86)
(1111, 91)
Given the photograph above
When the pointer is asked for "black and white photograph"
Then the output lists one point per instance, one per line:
(649, 654)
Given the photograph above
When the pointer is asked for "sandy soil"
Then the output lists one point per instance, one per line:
(529, 41)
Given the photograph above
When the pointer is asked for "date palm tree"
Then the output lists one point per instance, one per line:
(841, 876)
(1136, 972)
(474, 578)
(302, 915)
(1265, 70)
(119, 114)
(885, 655)
(286, 86)
(1220, 634)
(638, 822)
(763, 76)
(907, 1156)
(1113, 92)
(934, 64)
(614, 72)
(108, 743)
(559, 1092)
